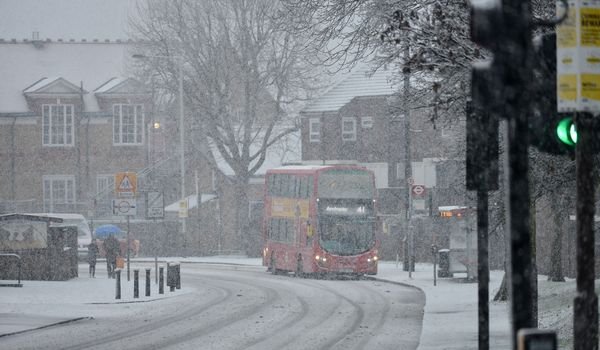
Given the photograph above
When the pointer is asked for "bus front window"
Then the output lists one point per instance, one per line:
(346, 235)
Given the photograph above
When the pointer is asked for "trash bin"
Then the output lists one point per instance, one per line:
(444, 263)
(172, 275)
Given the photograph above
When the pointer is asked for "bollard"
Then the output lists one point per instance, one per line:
(178, 276)
(161, 280)
(118, 279)
(171, 278)
(147, 282)
(136, 284)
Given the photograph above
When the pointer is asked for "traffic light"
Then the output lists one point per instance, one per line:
(549, 131)
(487, 98)
(482, 132)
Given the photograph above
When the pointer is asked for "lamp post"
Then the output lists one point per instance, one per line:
(181, 134)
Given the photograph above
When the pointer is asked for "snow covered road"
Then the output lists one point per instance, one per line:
(243, 307)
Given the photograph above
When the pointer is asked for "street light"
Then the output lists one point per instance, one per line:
(181, 131)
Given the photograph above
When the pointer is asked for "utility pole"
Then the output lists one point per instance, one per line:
(409, 254)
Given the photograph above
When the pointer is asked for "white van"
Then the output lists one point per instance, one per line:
(84, 235)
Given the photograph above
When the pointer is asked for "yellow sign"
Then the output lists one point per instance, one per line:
(183, 208)
(125, 184)
(287, 207)
(567, 87)
(590, 27)
(578, 57)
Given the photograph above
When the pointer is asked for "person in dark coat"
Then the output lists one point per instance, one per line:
(111, 247)
(92, 256)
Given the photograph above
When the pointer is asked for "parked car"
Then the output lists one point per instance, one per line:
(84, 235)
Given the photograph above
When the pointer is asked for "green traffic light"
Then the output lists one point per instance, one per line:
(567, 132)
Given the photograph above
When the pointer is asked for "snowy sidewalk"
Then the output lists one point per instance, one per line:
(450, 319)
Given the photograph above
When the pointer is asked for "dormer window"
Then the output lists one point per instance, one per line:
(128, 124)
(57, 125)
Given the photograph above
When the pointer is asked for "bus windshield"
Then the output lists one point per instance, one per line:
(345, 183)
(346, 236)
(346, 227)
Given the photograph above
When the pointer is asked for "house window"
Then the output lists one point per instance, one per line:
(366, 122)
(348, 129)
(59, 193)
(446, 131)
(128, 124)
(57, 125)
(105, 186)
(314, 130)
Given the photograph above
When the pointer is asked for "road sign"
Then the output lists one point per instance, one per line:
(124, 206)
(418, 190)
(125, 184)
(183, 208)
(156, 205)
(578, 55)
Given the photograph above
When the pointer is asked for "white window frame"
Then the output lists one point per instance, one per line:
(446, 131)
(58, 190)
(136, 131)
(55, 133)
(105, 189)
(366, 122)
(314, 132)
(348, 135)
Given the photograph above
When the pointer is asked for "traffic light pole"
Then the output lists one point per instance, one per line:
(483, 271)
(517, 61)
(585, 312)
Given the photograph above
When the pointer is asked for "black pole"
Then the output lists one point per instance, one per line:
(585, 312)
(118, 288)
(178, 274)
(147, 282)
(515, 58)
(161, 280)
(483, 270)
(136, 283)
(128, 242)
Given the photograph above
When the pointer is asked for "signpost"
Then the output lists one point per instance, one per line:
(125, 203)
(578, 91)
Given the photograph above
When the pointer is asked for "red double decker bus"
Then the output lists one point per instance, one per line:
(320, 219)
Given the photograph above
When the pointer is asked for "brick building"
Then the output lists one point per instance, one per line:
(360, 120)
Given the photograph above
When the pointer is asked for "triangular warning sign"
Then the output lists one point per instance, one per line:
(126, 185)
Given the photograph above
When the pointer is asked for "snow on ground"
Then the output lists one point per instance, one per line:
(450, 320)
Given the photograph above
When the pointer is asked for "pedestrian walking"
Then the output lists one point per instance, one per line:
(112, 248)
(92, 256)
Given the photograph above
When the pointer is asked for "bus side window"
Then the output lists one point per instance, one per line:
(310, 187)
(302, 188)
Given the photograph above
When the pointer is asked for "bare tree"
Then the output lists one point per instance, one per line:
(242, 75)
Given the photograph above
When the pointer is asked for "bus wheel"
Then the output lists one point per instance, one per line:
(299, 267)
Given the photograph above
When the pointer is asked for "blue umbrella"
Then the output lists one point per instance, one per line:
(104, 231)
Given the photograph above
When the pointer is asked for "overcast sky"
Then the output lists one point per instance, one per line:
(65, 19)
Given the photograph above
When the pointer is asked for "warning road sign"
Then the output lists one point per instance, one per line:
(125, 184)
